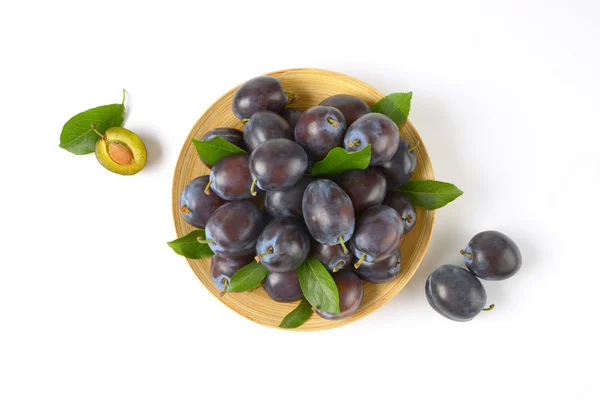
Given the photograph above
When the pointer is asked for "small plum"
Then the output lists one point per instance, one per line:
(319, 130)
(328, 213)
(350, 289)
(351, 106)
(260, 93)
(381, 271)
(287, 203)
(265, 125)
(233, 229)
(291, 115)
(230, 178)
(332, 257)
(195, 205)
(378, 234)
(283, 287)
(404, 207)
(283, 245)
(377, 130)
(455, 293)
(222, 269)
(277, 164)
(400, 168)
(492, 255)
(366, 187)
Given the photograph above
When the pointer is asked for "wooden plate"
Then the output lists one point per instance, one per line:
(312, 85)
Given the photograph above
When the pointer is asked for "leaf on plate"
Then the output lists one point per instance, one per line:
(430, 195)
(189, 246)
(77, 135)
(297, 316)
(318, 286)
(396, 106)
(211, 151)
(339, 161)
(247, 277)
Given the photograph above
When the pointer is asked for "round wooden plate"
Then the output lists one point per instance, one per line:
(313, 86)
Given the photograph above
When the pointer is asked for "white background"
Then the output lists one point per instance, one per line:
(94, 305)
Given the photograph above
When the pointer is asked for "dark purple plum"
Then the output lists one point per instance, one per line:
(377, 130)
(455, 293)
(351, 293)
(278, 164)
(230, 178)
(265, 125)
(283, 245)
(233, 136)
(233, 229)
(492, 255)
(351, 107)
(283, 287)
(402, 165)
(319, 130)
(366, 187)
(404, 207)
(260, 93)
(332, 257)
(328, 213)
(195, 205)
(377, 235)
(291, 115)
(222, 269)
(287, 203)
(380, 271)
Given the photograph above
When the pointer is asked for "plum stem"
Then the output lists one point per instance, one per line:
(123, 101)
(225, 286)
(96, 130)
(353, 143)
(244, 120)
(338, 266)
(204, 241)
(468, 255)
(253, 187)
(409, 219)
(266, 253)
(490, 308)
(294, 96)
(341, 239)
(360, 260)
(207, 188)
(414, 146)
(185, 210)
(333, 122)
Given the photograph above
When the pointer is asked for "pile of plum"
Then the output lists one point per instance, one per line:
(264, 205)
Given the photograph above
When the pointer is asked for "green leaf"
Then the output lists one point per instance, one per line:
(318, 286)
(430, 195)
(214, 149)
(189, 246)
(339, 161)
(77, 135)
(247, 277)
(396, 106)
(297, 316)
